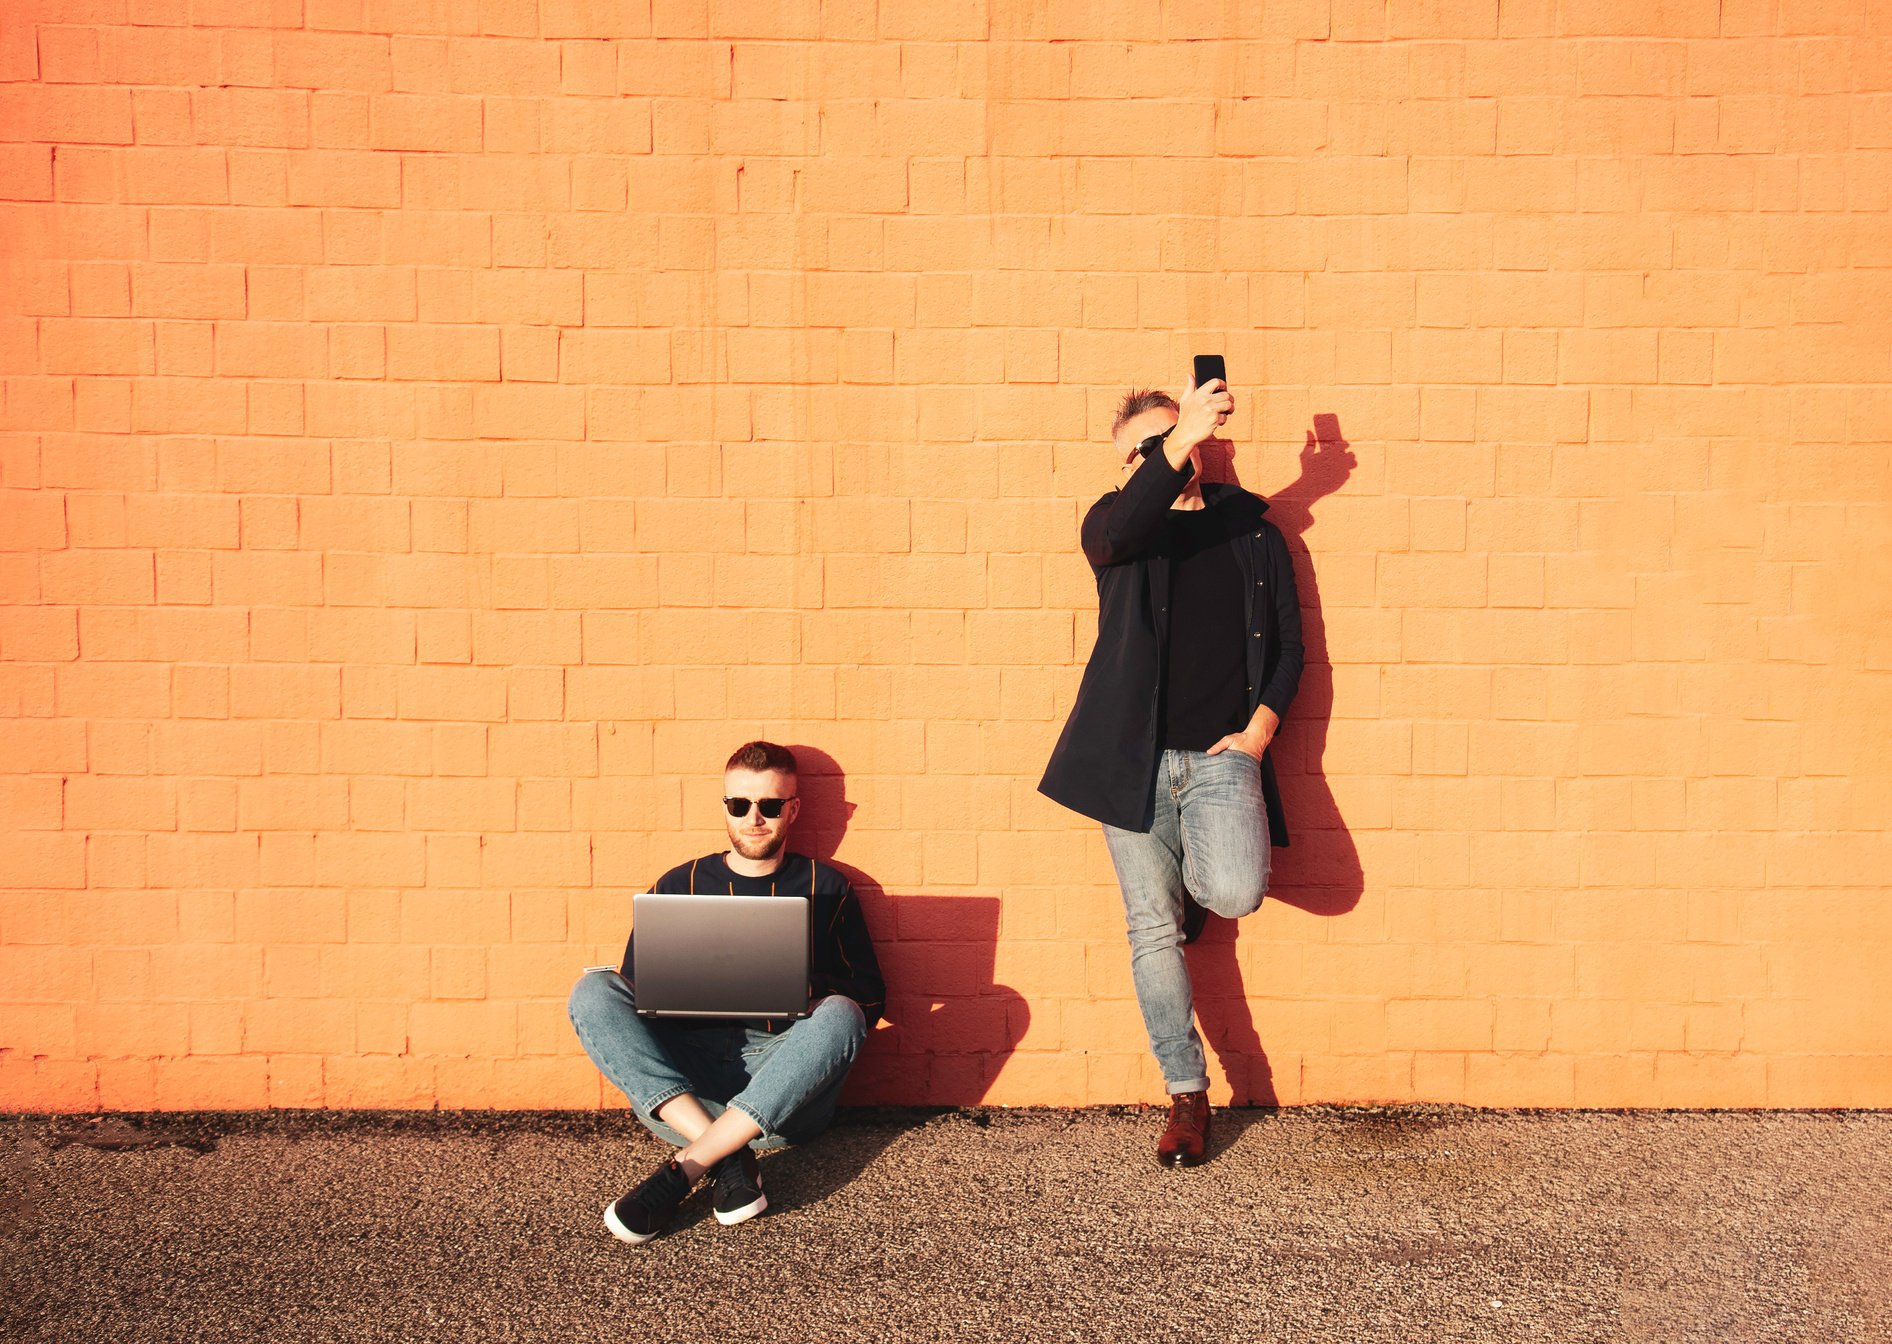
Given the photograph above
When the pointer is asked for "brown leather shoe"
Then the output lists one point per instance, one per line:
(1187, 1135)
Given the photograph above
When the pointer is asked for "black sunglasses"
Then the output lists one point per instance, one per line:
(770, 808)
(1155, 441)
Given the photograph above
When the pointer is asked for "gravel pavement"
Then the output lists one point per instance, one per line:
(1312, 1224)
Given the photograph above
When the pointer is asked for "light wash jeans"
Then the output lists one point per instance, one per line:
(787, 1082)
(1209, 837)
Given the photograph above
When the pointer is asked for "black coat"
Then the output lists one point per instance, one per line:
(1104, 764)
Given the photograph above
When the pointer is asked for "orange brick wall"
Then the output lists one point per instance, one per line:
(436, 433)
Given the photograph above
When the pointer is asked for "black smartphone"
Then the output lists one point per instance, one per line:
(1210, 366)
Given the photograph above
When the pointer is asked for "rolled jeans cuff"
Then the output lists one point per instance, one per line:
(661, 1100)
(1193, 1085)
(768, 1131)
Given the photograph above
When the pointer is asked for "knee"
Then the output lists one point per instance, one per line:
(1232, 900)
(843, 1021)
(599, 993)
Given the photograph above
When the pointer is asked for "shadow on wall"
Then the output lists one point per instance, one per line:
(1320, 870)
(952, 1028)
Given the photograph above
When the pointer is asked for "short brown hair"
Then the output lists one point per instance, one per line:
(762, 756)
(1138, 400)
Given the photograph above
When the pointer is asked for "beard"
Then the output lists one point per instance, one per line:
(757, 850)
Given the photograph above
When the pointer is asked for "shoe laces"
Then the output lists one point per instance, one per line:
(1182, 1106)
(732, 1171)
(665, 1188)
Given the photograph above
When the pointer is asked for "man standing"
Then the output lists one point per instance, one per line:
(1198, 654)
(716, 1090)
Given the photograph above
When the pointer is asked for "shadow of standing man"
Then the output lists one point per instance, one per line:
(1320, 871)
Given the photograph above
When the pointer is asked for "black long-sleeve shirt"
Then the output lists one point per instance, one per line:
(841, 956)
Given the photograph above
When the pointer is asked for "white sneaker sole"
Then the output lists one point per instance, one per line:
(618, 1230)
(745, 1213)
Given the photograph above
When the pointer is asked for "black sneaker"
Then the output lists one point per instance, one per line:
(648, 1209)
(739, 1194)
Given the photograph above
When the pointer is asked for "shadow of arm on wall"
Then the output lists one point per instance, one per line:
(949, 1028)
(1320, 871)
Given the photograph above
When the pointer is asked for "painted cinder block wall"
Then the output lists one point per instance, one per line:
(436, 433)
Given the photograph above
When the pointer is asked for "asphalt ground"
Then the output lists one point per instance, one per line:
(1312, 1224)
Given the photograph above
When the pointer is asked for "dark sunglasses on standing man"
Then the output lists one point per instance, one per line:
(1155, 441)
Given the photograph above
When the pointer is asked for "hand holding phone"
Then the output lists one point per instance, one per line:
(1210, 369)
(1206, 405)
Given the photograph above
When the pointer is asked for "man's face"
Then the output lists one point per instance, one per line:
(1138, 428)
(753, 835)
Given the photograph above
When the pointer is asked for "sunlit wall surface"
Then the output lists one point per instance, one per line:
(436, 433)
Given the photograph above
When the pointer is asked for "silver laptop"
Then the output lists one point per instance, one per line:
(719, 956)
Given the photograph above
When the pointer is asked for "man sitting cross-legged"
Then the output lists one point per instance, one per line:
(716, 1090)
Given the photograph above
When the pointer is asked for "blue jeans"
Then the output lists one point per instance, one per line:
(786, 1081)
(1210, 838)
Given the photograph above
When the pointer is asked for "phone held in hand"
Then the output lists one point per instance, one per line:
(1208, 367)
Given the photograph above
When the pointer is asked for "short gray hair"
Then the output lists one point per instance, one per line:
(1138, 400)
